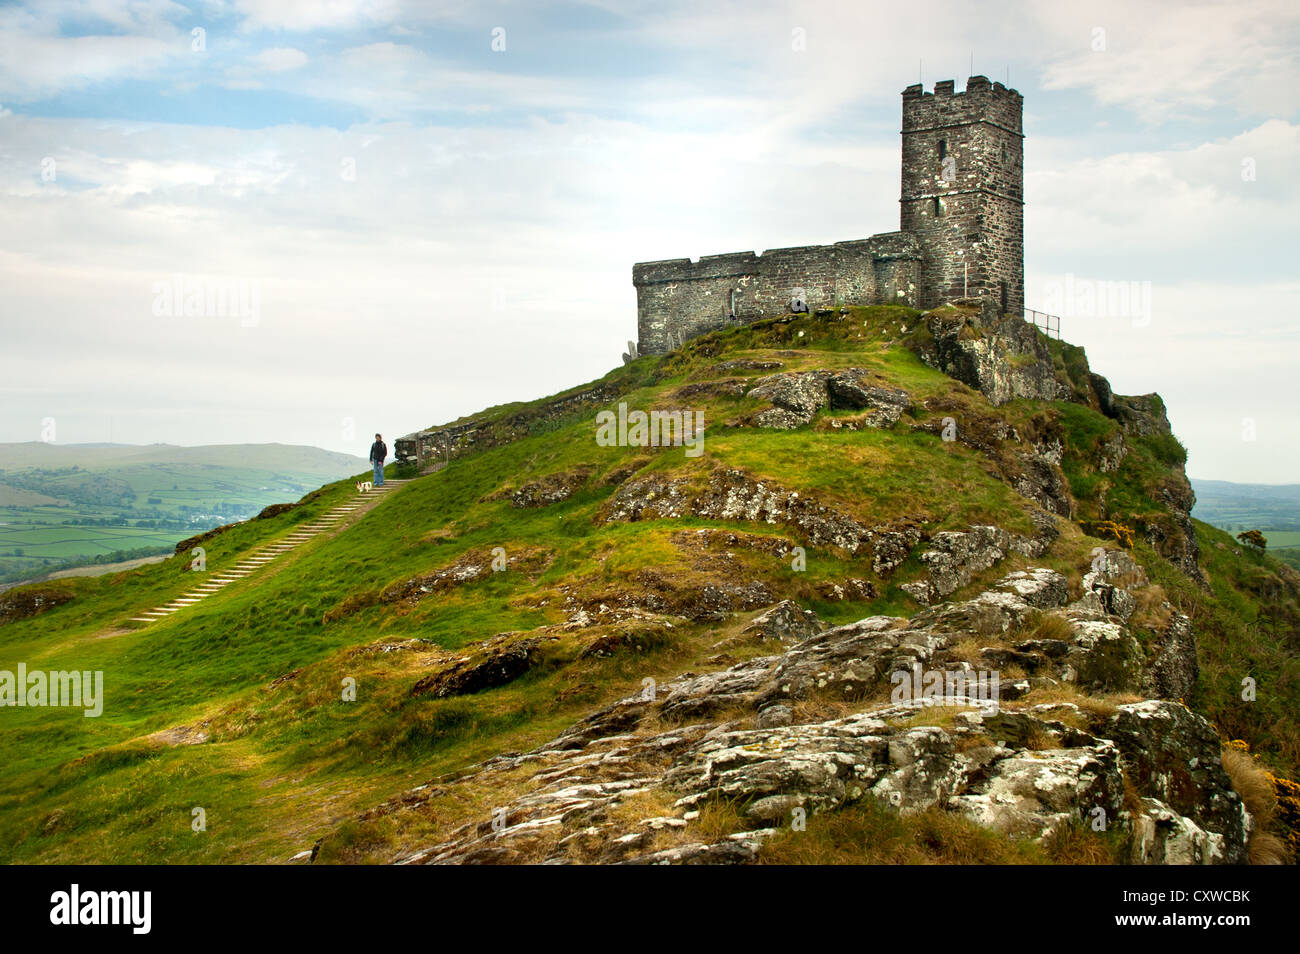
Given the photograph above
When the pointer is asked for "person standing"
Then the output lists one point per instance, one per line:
(378, 451)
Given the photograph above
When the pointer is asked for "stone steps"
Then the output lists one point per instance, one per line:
(268, 553)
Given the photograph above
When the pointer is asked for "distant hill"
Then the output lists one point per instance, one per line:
(1273, 509)
(1215, 498)
(67, 505)
(295, 457)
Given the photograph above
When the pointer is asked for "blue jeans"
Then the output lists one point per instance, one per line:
(379, 473)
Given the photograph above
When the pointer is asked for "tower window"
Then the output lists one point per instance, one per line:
(943, 149)
(938, 207)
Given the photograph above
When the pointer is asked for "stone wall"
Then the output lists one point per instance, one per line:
(679, 299)
(452, 441)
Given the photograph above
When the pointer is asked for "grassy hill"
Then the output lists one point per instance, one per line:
(582, 571)
(67, 505)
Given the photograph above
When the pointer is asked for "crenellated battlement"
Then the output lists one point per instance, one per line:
(981, 101)
(960, 232)
(976, 87)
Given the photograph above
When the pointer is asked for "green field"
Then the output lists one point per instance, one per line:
(64, 506)
(42, 542)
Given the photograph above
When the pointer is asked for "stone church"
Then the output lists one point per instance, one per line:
(961, 233)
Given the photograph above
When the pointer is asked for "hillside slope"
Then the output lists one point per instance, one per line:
(554, 649)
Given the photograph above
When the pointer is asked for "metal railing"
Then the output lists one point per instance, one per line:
(1049, 325)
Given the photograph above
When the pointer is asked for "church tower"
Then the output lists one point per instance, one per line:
(962, 196)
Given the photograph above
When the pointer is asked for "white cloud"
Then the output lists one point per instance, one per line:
(33, 67)
(136, 39)
(314, 14)
(278, 59)
(251, 73)
(397, 81)
(1228, 195)
(1164, 61)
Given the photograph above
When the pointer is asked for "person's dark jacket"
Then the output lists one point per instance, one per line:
(378, 451)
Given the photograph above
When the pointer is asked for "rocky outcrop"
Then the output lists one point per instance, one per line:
(1044, 589)
(500, 660)
(1004, 358)
(548, 490)
(1111, 453)
(955, 557)
(786, 622)
(1140, 414)
(633, 635)
(1172, 668)
(1144, 416)
(665, 592)
(1041, 480)
(1163, 837)
(758, 736)
(1001, 356)
(893, 545)
(1030, 463)
(852, 391)
(1102, 656)
(1178, 543)
(25, 601)
(734, 495)
(1109, 583)
(952, 561)
(853, 589)
(1042, 791)
(474, 565)
(1172, 755)
(797, 396)
(714, 540)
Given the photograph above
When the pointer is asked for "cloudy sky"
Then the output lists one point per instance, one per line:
(425, 209)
